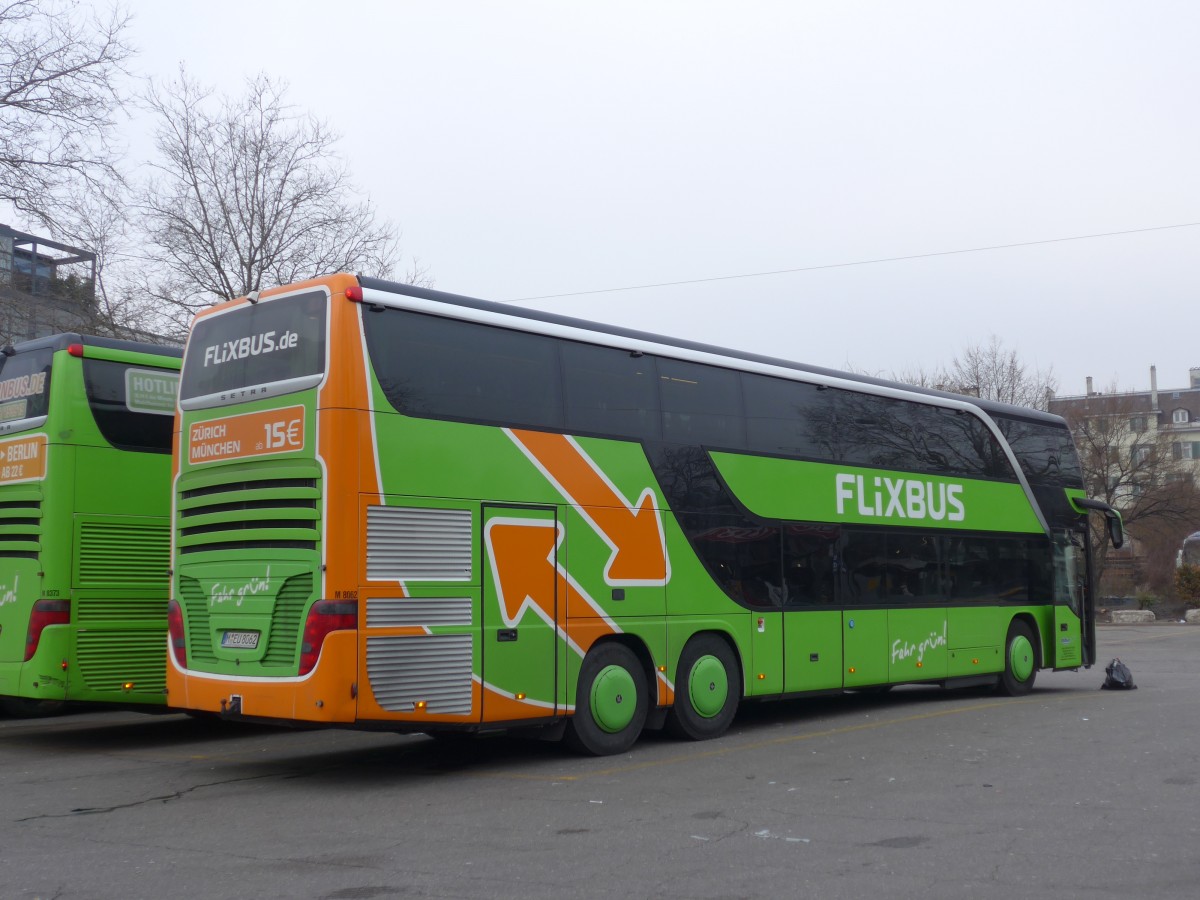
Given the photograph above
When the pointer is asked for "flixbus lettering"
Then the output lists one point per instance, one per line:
(900, 498)
(252, 345)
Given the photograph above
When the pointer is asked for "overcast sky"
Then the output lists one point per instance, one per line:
(546, 148)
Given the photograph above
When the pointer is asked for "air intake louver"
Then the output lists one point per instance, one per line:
(20, 522)
(114, 554)
(418, 544)
(250, 509)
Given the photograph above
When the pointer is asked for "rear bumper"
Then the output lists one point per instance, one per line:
(328, 694)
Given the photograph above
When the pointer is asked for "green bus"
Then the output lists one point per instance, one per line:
(398, 508)
(86, 425)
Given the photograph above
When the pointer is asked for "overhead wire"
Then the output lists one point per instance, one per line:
(843, 265)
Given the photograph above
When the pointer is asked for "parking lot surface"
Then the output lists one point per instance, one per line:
(1069, 792)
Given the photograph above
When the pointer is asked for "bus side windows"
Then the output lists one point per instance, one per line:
(431, 366)
(610, 391)
(700, 404)
(809, 552)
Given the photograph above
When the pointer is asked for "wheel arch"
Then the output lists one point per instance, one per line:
(1031, 622)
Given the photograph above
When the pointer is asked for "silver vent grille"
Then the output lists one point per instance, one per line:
(435, 668)
(409, 612)
(415, 544)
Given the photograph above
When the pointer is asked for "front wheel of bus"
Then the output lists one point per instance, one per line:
(611, 702)
(707, 689)
(1020, 660)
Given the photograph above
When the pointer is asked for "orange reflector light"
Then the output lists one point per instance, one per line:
(419, 706)
(662, 668)
(520, 695)
(975, 662)
(852, 670)
(920, 664)
(128, 686)
(762, 676)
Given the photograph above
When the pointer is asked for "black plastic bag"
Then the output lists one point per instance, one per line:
(1117, 677)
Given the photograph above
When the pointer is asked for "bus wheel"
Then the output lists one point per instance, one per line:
(1020, 661)
(27, 708)
(707, 689)
(611, 702)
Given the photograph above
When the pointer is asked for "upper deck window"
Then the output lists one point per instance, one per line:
(273, 347)
(24, 387)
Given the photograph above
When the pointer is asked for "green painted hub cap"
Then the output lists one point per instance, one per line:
(708, 686)
(1020, 658)
(613, 699)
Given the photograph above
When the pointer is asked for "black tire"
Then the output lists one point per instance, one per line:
(607, 719)
(1020, 660)
(708, 687)
(26, 708)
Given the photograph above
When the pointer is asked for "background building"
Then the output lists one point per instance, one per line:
(1140, 452)
(45, 287)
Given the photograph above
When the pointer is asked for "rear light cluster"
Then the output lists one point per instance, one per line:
(325, 616)
(175, 633)
(45, 613)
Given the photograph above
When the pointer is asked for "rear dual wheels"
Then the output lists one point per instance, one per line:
(611, 702)
(1020, 660)
(707, 689)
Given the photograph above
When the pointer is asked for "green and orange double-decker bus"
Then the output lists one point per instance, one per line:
(85, 480)
(397, 508)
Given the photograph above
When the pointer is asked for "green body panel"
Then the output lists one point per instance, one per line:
(1068, 640)
(917, 648)
(767, 654)
(793, 489)
(812, 633)
(104, 538)
(865, 645)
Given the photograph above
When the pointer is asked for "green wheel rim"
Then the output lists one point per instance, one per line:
(613, 699)
(708, 686)
(1020, 658)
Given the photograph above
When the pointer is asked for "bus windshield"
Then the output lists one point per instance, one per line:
(265, 349)
(24, 386)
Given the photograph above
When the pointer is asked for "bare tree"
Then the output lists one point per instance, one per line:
(250, 193)
(995, 373)
(1131, 464)
(990, 371)
(59, 69)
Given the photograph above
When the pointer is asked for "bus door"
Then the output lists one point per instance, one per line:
(1074, 626)
(521, 653)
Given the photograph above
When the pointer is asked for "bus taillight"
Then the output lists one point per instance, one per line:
(324, 617)
(175, 631)
(45, 612)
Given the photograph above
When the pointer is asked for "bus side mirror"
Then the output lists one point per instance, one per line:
(1116, 528)
(1116, 532)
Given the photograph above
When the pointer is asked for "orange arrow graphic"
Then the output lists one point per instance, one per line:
(634, 531)
(520, 550)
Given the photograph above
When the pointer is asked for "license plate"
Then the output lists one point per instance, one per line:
(240, 640)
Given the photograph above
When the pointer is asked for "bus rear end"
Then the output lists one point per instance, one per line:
(253, 630)
(85, 439)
